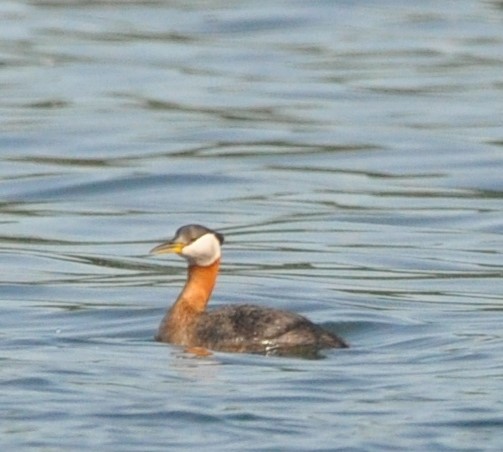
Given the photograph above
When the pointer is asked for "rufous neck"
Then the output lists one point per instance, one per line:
(199, 286)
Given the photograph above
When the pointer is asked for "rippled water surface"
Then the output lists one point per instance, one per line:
(352, 154)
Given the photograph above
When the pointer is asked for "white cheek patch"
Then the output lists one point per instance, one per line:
(203, 251)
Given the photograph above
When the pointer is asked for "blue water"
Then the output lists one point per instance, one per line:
(351, 153)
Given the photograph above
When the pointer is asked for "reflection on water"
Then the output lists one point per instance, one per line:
(351, 153)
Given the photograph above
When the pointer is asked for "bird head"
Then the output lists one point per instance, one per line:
(198, 244)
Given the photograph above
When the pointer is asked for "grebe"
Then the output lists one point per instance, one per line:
(235, 328)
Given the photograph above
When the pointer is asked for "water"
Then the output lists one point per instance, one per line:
(351, 152)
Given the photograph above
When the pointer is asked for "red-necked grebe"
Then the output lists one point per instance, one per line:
(234, 328)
